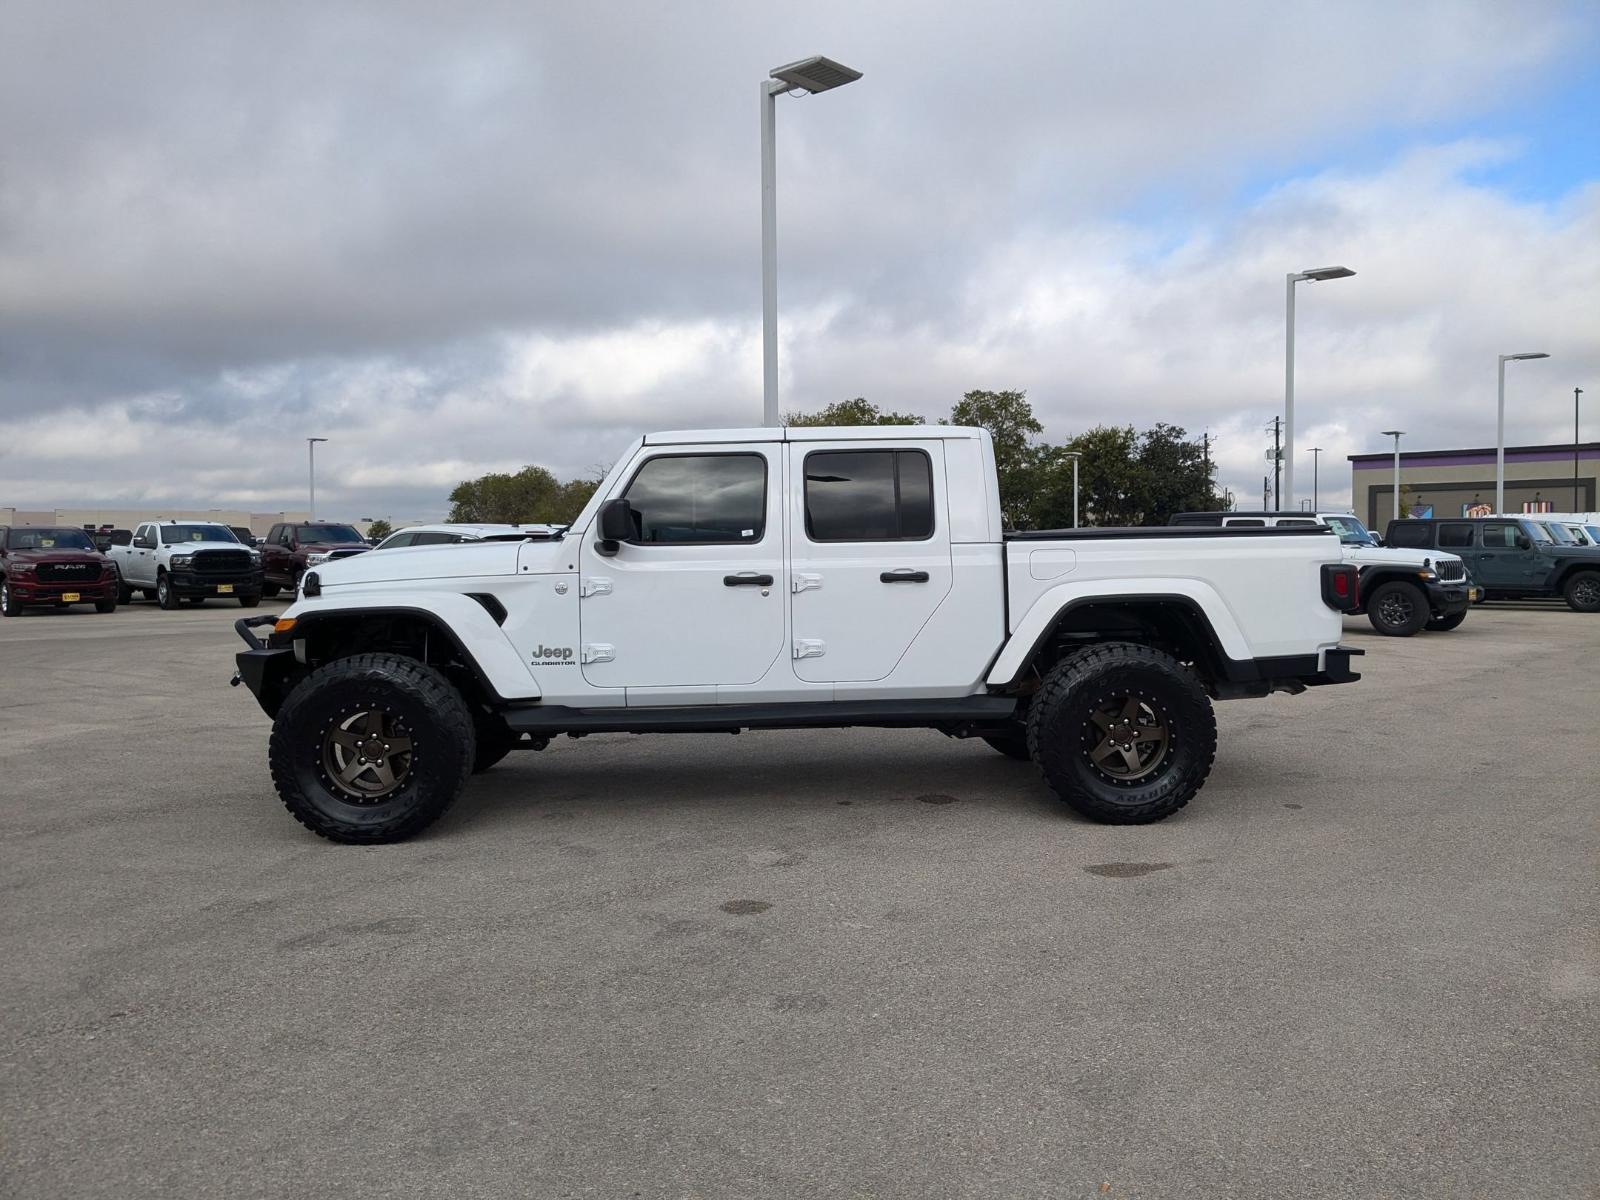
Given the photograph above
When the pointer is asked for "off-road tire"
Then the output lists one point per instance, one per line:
(426, 710)
(10, 606)
(166, 595)
(1396, 609)
(1582, 591)
(1446, 624)
(249, 601)
(106, 606)
(1063, 732)
(270, 591)
(1012, 745)
(493, 742)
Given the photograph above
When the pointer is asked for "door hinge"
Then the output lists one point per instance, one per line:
(809, 648)
(594, 652)
(595, 585)
(802, 581)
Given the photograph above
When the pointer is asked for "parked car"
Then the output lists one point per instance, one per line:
(291, 547)
(1402, 591)
(1511, 558)
(782, 578)
(42, 565)
(246, 538)
(176, 561)
(452, 534)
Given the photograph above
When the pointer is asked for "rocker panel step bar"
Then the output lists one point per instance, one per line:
(544, 719)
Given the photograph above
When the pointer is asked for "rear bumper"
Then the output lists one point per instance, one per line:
(1335, 667)
(1292, 673)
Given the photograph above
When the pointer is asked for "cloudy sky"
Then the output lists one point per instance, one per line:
(455, 238)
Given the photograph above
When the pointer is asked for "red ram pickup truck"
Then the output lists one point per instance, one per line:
(43, 565)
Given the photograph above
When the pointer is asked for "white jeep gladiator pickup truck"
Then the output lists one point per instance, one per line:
(174, 561)
(725, 580)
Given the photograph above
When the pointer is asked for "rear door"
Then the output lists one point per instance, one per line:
(871, 554)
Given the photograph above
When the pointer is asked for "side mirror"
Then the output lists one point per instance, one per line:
(616, 525)
(1524, 542)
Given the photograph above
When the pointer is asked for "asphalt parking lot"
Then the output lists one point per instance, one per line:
(852, 964)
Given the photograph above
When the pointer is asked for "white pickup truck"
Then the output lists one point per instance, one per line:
(722, 580)
(176, 561)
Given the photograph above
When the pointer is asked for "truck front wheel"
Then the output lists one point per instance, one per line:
(1124, 734)
(166, 594)
(1397, 609)
(371, 748)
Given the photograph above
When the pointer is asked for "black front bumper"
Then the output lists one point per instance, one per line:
(1448, 599)
(268, 671)
(240, 583)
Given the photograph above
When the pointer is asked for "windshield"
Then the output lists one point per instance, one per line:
(1594, 533)
(1349, 530)
(50, 539)
(1559, 534)
(174, 535)
(1536, 531)
(327, 534)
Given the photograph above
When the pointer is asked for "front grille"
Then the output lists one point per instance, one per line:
(219, 562)
(1451, 572)
(57, 572)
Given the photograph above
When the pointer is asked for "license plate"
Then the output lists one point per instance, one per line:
(224, 589)
(69, 597)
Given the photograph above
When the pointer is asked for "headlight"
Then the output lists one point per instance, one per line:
(313, 559)
(181, 560)
(255, 557)
(22, 568)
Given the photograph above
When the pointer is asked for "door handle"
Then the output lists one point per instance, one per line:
(903, 577)
(747, 580)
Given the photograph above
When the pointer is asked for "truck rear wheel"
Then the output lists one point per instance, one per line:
(371, 748)
(1397, 609)
(1583, 591)
(1124, 734)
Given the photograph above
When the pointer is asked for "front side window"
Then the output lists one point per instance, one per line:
(869, 496)
(1455, 537)
(435, 537)
(397, 541)
(1499, 535)
(144, 539)
(700, 498)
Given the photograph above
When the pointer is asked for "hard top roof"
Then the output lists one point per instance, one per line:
(812, 433)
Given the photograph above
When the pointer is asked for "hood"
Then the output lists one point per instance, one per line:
(56, 556)
(332, 547)
(415, 563)
(1373, 556)
(191, 547)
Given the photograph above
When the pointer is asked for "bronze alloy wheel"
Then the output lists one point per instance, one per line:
(1127, 737)
(366, 755)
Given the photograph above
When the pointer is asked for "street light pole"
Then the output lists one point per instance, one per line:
(311, 473)
(1396, 434)
(1074, 455)
(1316, 275)
(1316, 462)
(1576, 503)
(1500, 430)
(811, 75)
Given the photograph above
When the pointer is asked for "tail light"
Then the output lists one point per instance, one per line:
(1341, 587)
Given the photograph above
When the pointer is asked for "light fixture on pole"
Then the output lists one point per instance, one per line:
(1396, 434)
(1316, 275)
(1316, 462)
(811, 75)
(1500, 429)
(1074, 455)
(311, 473)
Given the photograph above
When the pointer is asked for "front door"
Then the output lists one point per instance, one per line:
(694, 600)
(1503, 564)
(871, 554)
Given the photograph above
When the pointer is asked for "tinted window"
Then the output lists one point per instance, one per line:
(396, 541)
(1410, 535)
(1559, 533)
(327, 535)
(1455, 536)
(1247, 523)
(869, 495)
(1290, 521)
(434, 537)
(1535, 532)
(1500, 536)
(700, 498)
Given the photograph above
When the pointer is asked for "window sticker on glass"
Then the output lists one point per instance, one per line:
(747, 533)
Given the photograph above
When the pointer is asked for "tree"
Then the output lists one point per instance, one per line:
(859, 411)
(1024, 468)
(533, 494)
(379, 529)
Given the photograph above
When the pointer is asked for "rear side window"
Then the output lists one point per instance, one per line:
(1410, 535)
(1247, 523)
(1455, 537)
(701, 498)
(435, 537)
(1500, 536)
(869, 496)
(1291, 521)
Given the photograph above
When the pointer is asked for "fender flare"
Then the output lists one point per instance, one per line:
(1040, 621)
(474, 634)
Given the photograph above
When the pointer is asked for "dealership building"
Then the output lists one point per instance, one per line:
(1454, 483)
